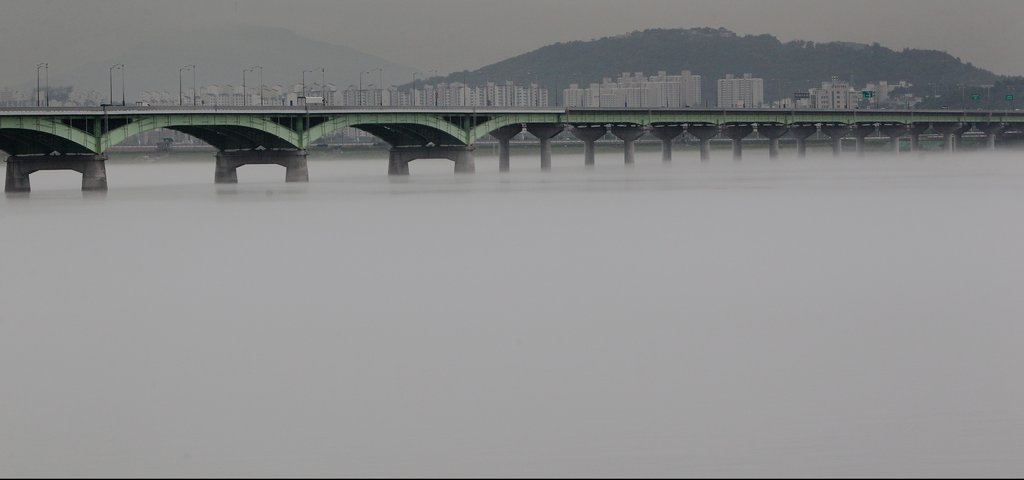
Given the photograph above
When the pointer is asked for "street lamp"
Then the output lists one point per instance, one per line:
(38, 100)
(245, 91)
(323, 85)
(304, 82)
(380, 82)
(412, 97)
(180, 94)
(112, 67)
(260, 68)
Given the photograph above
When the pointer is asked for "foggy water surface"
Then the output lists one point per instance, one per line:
(799, 317)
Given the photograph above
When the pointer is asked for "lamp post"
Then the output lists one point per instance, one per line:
(245, 100)
(304, 83)
(260, 68)
(380, 82)
(112, 67)
(38, 100)
(412, 96)
(323, 85)
(434, 72)
(181, 96)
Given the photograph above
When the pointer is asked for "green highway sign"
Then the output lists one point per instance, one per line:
(1009, 98)
(975, 97)
(868, 93)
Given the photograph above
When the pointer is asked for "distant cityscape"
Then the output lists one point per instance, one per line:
(628, 90)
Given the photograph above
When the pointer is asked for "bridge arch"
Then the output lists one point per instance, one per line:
(397, 129)
(224, 132)
(41, 136)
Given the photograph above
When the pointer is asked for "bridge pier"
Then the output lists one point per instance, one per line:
(894, 132)
(773, 133)
(801, 133)
(836, 133)
(861, 133)
(915, 135)
(545, 132)
(92, 167)
(958, 136)
(704, 133)
(589, 134)
(461, 155)
(294, 162)
(504, 134)
(948, 131)
(737, 133)
(991, 131)
(666, 133)
(628, 134)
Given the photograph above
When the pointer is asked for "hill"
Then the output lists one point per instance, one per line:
(713, 53)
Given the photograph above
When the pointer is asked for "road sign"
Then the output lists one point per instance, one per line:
(1009, 98)
(868, 93)
(975, 97)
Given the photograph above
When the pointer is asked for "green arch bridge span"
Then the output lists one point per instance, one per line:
(77, 138)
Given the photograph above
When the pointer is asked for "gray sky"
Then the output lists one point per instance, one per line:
(452, 35)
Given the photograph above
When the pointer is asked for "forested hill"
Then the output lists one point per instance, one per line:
(713, 53)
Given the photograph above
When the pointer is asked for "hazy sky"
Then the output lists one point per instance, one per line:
(466, 34)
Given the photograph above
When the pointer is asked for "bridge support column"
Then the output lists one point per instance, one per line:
(948, 131)
(836, 133)
(801, 133)
(773, 133)
(915, 135)
(958, 136)
(461, 155)
(504, 134)
(991, 131)
(545, 132)
(589, 134)
(861, 133)
(737, 133)
(92, 167)
(666, 134)
(894, 132)
(704, 133)
(628, 134)
(294, 162)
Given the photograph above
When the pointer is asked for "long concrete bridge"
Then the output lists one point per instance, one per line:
(77, 138)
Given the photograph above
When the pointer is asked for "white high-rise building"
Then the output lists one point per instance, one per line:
(834, 95)
(637, 91)
(742, 92)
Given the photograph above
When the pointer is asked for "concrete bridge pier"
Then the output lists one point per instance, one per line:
(836, 133)
(737, 133)
(667, 133)
(545, 132)
(294, 162)
(958, 136)
(504, 134)
(915, 135)
(92, 167)
(948, 131)
(801, 133)
(773, 133)
(991, 131)
(589, 134)
(704, 133)
(894, 132)
(861, 133)
(461, 155)
(628, 134)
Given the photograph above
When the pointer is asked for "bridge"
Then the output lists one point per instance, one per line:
(77, 138)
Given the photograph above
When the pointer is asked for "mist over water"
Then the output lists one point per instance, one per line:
(819, 316)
